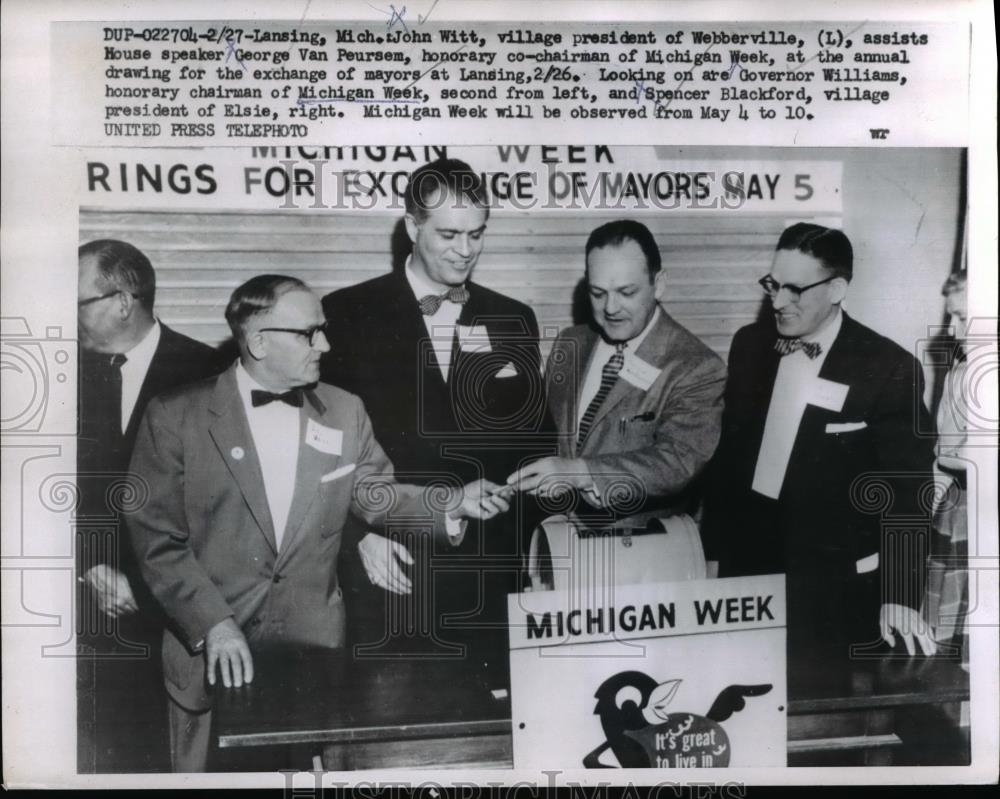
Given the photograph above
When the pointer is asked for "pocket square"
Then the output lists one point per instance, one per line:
(507, 371)
(845, 427)
(337, 473)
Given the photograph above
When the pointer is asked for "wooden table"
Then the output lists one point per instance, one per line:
(369, 713)
(412, 713)
(880, 711)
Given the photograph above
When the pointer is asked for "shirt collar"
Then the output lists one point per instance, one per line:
(419, 285)
(825, 336)
(246, 383)
(141, 355)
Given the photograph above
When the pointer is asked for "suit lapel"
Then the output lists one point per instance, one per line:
(653, 351)
(408, 320)
(231, 433)
(310, 467)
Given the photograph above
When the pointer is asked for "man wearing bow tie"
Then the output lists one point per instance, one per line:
(127, 356)
(820, 472)
(449, 371)
(250, 477)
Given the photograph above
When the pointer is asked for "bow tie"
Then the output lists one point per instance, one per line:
(430, 303)
(786, 346)
(293, 397)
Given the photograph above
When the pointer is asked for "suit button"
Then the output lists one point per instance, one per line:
(254, 621)
(276, 578)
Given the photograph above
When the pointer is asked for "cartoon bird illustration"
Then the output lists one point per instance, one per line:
(633, 710)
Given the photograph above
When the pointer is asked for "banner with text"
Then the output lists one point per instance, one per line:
(530, 177)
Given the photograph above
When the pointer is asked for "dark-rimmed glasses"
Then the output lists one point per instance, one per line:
(91, 300)
(772, 287)
(308, 333)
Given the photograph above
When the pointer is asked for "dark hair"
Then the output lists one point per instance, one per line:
(258, 295)
(827, 245)
(122, 267)
(614, 233)
(430, 186)
(956, 282)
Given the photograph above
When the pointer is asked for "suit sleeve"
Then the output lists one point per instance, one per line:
(687, 433)
(159, 532)
(898, 415)
(377, 496)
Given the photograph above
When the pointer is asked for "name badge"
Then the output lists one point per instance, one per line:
(325, 439)
(473, 339)
(639, 373)
(827, 394)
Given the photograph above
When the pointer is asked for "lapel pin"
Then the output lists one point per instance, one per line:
(237, 453)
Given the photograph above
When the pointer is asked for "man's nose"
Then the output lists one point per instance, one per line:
(611, 305)
(321, 344)
(463, 246)
(781, 299)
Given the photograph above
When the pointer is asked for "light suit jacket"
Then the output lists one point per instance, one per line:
(646, 445)
(203, 534)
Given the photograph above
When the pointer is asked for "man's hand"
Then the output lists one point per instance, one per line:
(483, 499)
(110, 586)
(909, 624)
(226, 646)
(381, 558)
(552, 476)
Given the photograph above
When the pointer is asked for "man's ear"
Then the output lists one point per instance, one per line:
(838, 290)
(256, 345)
(411, 227)
(126, 304)
(660, 285)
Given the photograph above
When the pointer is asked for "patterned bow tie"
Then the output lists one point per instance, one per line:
(430, 303)
(786, 346)
(293, 397)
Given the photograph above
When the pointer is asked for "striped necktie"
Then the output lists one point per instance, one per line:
(609, 376)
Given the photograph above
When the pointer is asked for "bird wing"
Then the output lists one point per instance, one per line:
(732, 699)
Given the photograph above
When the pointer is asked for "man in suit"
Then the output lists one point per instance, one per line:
(819, 451)
(250, 476)
(127, 357)
(450, 373)
(636, 397)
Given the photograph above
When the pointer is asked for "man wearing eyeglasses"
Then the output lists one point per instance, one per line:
(818, 450)
(127, 357)
(250, 478)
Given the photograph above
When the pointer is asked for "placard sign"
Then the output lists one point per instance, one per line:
(668, 675)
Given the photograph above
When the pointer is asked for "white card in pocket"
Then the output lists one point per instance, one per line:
(507, 371)
(473, 338)
(845, 427)
(325, 439)
(867, 565)
(337, 473)
(827, 394)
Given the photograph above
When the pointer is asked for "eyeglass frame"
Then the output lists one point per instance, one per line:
(309, 333)
(92, 300)
(794, 291)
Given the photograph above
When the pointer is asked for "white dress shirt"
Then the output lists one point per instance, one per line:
(275, 431)
(602, 353)
(137, 361)
(797, 374)
(440, 325)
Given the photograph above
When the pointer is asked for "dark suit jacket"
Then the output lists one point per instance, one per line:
(670, 429)
(485, 421)
(843, 489)
(103, 452)
(205, 538)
